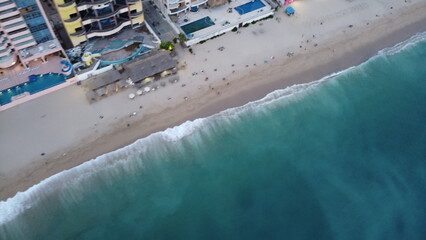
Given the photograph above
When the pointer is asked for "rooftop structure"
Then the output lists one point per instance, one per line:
(207, 23)
(174, 7)
(89, 19)
(155, 63)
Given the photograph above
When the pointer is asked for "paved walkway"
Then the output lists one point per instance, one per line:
(160, 25)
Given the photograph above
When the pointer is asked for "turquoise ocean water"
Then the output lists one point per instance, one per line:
(340, 158)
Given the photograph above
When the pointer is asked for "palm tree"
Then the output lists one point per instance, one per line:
(182, 38)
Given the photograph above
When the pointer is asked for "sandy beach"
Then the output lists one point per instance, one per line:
(61, 130)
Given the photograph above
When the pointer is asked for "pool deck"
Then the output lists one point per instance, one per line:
(18, 74)
(224, 20)
(27, 98)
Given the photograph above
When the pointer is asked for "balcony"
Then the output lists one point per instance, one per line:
(9, 13)
(110, 30)
(8, 60)
(72, 19)
(104, 15)
(197, 3)
(67, 3)
(25, 44)
(78, 33)
(175, 1)
(90, 2)
(14, 25)
(178, 10)
(23, 38)
(136, 14)
(5, 2)
(19, 32)
(6, 5)
(4, 52)
(12, 19)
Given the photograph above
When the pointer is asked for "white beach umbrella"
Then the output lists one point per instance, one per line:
(139, 92)
(132, 96)
(146, 89)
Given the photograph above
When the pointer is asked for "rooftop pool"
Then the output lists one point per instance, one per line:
(197, 25)
(36, 83)
(249, 7)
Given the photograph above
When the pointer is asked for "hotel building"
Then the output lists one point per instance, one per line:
(23, 24)
(174, 7)
(88, 19)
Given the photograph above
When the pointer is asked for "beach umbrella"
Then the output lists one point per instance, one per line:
(146, 89)
(139, 92)
(132, 96)
(289, 10)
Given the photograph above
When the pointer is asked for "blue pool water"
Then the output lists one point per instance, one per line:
(123, 60)
(197, 25)
(249, 7)
(39, 83)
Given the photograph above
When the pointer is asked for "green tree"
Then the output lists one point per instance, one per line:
(182, 38)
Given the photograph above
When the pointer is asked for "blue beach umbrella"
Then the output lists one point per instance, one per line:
(289, 10)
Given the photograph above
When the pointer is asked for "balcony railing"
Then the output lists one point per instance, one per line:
(14, 25)
(72, 19)
(90, 2)
(10, 18)
(103, 15)
(109, 28)
(178, 10)
(136, 14)
(5, 3)
(198, 2)
(78, 33)
(31, 41)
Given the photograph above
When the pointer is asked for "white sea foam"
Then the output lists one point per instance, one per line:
(121, 158)
(405, 45)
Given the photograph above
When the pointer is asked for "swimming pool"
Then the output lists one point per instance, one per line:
(36, 83)
(249, 7)
(197, 25)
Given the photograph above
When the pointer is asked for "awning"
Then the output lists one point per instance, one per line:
(101, 91)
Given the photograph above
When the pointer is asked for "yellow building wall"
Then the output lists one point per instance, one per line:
(77, 40)
(64, 13)
(71, 26)
(139, 19)
(59, 2)
(137, 6)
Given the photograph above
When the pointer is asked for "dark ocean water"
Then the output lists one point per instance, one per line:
(340, 158)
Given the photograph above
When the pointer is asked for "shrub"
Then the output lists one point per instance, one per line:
(246, 25)
(182, 38)
(190, 50)
(166, 46)
(235, 29)
(175, 40)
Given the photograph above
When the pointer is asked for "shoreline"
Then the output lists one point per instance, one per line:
(351, 51)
